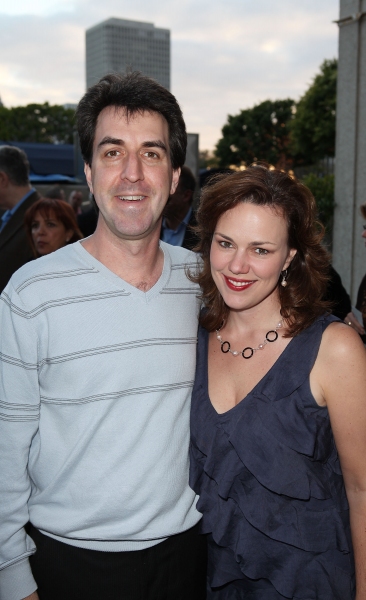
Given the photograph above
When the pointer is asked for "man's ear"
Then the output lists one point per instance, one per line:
(175, 181)
(87, 171)
(4, 179)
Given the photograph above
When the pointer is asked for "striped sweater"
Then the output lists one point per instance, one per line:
(95, 385)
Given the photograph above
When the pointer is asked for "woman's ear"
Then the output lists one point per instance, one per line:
(290, 256)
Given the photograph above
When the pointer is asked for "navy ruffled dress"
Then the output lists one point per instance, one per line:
(271, 489)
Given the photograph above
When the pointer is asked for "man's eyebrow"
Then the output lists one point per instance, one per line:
(118, 142)
(155, 144)
(110, 140)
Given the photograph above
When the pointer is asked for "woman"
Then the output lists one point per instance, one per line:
(50, 225)
(279, 382)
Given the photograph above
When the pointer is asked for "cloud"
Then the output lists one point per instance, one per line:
(226, 56)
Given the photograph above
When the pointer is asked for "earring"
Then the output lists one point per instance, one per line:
(284, 275)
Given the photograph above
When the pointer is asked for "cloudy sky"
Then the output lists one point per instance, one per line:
(226, 55)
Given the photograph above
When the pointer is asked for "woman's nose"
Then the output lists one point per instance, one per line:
(239, 264)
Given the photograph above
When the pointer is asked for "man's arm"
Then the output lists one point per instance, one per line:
(19, 414)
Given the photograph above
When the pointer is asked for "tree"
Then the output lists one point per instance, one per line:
(37, 123)
(313, 127)
(322, 189)
(258, 133)
(207, 160)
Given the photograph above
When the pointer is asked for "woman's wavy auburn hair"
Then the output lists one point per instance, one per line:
(301, 300)
(61, 211)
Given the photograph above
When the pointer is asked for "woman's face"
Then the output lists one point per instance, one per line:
(49, 233)
(248, 252)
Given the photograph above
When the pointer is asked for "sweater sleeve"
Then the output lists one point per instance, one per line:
(19, 415)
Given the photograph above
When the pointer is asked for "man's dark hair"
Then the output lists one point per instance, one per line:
(14, 162)
(135, 93)
(187, 180)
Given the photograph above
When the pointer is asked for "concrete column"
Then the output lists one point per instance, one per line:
(349, 252)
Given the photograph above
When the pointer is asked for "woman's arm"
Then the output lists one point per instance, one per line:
(340, 372)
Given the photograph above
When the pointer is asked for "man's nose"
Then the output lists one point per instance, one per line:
(132, 168)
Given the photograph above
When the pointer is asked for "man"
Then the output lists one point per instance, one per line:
(98, 341)
(178, 213)
(16, 196)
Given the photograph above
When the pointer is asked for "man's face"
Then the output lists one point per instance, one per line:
(4, 204)
(131, 175)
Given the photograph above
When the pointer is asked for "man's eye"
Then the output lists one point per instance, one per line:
(112, 153)
(151, 154)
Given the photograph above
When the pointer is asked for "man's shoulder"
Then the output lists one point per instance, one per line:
(49, 269)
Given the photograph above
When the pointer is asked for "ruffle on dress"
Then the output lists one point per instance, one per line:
(269, 480)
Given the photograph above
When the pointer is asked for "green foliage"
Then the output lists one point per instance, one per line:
(313, 127)
(322, 189)
(207, 160)
(260, 133)
(37, 123)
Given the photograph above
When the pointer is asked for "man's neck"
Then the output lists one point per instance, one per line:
(138, 262)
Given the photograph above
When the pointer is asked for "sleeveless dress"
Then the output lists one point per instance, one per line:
(270, 485)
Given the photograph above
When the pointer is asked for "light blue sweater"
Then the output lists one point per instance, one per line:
(95, 388)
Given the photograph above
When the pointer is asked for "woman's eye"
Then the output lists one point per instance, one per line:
(261, 251)
(225, 244)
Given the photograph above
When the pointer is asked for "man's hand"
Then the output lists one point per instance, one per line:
(352, 321)
(33, 596)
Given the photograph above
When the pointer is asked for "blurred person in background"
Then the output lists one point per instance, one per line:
(75, 197)
(55, 192)
(50, 225)
(88, 219)
(178, 216)
(16, 196)
(351, 319)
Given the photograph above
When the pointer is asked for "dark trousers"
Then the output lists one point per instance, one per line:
(171, 570)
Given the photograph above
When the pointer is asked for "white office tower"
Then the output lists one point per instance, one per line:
(117, 44)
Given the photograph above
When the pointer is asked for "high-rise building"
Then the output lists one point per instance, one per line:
(118, 44)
